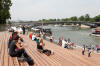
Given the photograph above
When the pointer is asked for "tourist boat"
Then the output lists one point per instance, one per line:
(96, 32)
(97, 35)
(47, 31)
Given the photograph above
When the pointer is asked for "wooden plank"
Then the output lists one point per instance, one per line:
(2, 50)
(64, 56)
(15, 61)
(11, 63)
(6, 50)
(39, 55)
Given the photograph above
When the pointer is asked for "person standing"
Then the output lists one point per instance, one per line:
(83, 49)
(89, 52)
(23, 28)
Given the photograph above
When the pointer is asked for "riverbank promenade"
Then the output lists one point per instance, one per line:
(61, 57)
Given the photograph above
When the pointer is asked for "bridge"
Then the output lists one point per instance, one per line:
(58, 22)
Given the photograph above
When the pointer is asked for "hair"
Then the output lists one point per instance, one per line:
(14, 33)
(15, 37)
(38, 35)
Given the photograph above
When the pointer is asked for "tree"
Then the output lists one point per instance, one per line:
(92, 20)
(52, 20)
(81, 18)
(4, 10)
(97, 18)
(74, 18)
(87, 17)
(58, 19)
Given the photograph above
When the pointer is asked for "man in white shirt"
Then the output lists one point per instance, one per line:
(63, 42)
(33, 36)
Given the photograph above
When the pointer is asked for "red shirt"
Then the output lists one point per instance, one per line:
(72, 44)
(10, 37)
(30, 35)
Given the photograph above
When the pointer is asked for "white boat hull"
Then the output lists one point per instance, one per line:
(95, 35)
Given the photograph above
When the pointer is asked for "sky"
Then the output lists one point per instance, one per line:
(45, 9)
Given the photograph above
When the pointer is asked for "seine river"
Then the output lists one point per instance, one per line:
(77, 35)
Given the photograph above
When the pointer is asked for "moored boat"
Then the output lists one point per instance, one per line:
(96, 32)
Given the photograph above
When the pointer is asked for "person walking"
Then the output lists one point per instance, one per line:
(83, 49)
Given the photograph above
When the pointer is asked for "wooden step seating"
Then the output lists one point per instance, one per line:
(61, 57)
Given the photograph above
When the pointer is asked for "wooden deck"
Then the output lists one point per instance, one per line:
(61, 57)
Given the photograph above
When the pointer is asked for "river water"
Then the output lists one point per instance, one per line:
(77, 35)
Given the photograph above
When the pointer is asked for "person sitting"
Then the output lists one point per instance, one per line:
(11, 38)
(34, 37)
(98, 48)
(64, 43)
(40, 45)
(30, 35)
(51, 38)
(17, 50)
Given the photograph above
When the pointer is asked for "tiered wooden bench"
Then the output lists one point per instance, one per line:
(61, 57)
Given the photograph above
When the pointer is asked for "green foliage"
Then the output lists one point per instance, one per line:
(81, 18)
(92, 20)
(58, 19)
(97, 18)
(73, 18)
(4, 10)
(85, 17)
(66, 19)
(52, 20)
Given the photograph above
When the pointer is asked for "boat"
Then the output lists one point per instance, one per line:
(96, 32)
(59, 25)
(96, 35)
